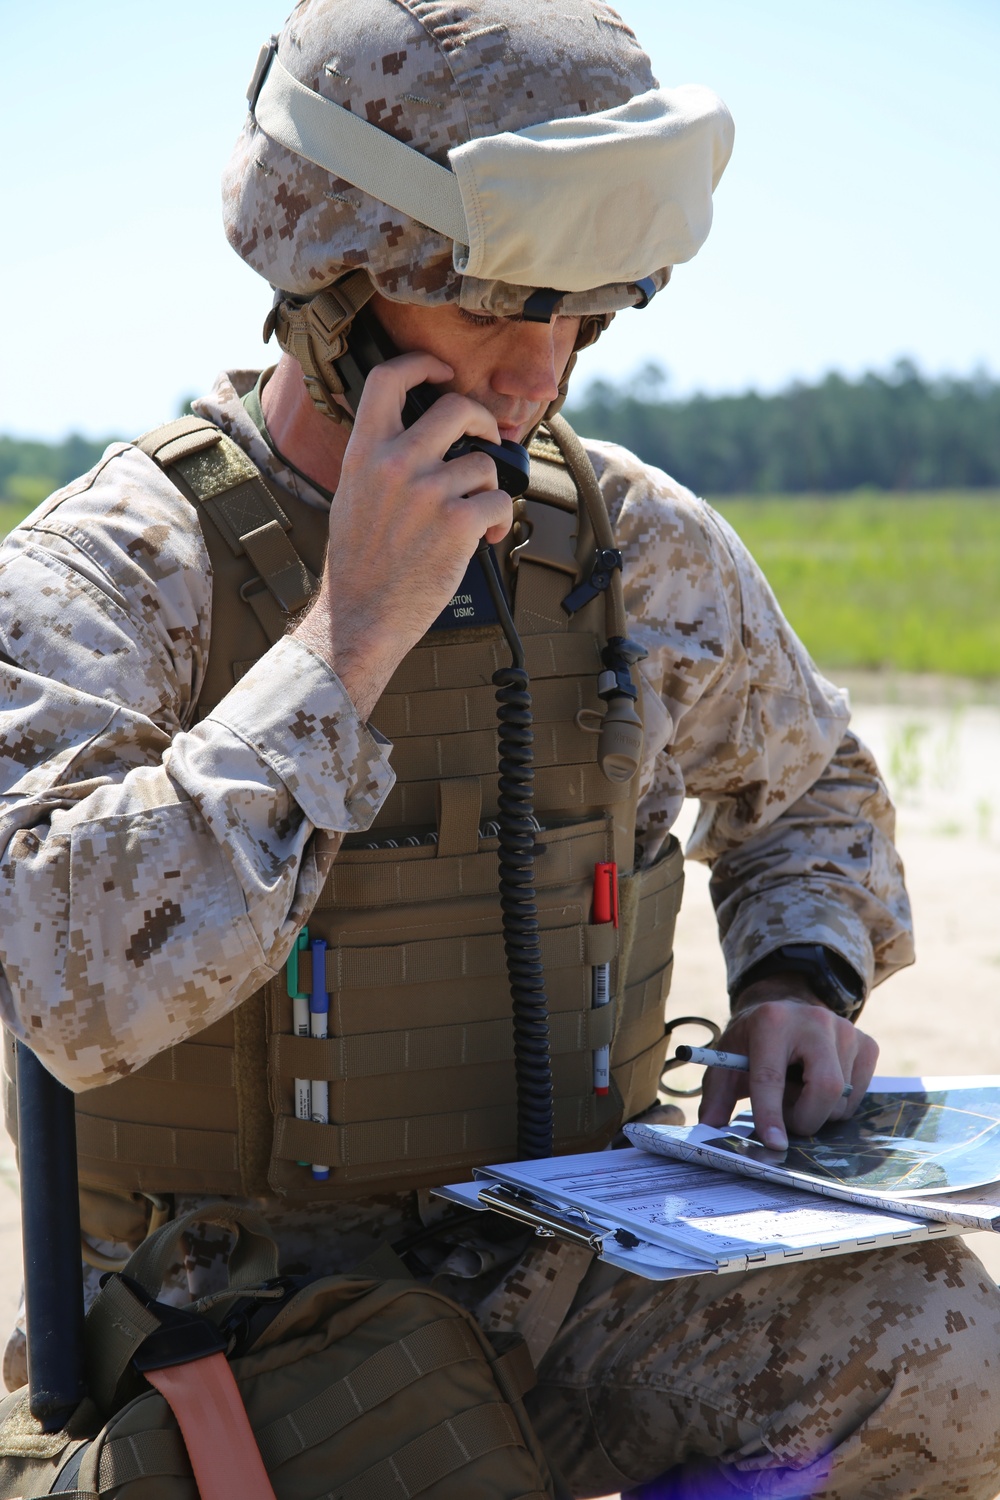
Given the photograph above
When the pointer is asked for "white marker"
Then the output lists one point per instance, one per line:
(707, 1057)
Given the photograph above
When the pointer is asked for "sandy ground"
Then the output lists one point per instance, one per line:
(938, 742)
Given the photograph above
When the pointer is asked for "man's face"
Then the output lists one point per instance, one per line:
(511, 367)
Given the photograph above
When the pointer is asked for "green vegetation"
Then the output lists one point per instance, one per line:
(31, 470)
(871, 580)
(12, 511)
(893, 432)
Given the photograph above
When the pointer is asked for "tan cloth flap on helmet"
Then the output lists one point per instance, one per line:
(546, 205)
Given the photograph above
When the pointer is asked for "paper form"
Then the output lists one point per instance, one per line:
(721, 1221)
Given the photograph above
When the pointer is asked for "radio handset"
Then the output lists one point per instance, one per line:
(370, 345)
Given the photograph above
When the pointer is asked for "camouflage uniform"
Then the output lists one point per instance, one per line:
(156, 868)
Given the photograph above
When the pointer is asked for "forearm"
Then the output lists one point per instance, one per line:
(824, 871)
(403, 526)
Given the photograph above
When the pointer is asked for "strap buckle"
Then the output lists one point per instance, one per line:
(264, 59)
(182, 1336)
(336, 306)
(646, 287)
(618, 656)
(606, 560)
(541, 306)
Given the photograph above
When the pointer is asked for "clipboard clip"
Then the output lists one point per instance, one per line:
(546, 1223)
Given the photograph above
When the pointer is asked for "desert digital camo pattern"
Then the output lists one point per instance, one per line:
(795, 821)
(159, 868)
(156, 870)
(865, 1376)
(868, 1377)
(441, 73)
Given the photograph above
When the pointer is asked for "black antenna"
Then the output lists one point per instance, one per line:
(50, 1233)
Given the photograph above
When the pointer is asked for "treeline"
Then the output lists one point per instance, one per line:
(899, 431)
(31, 470)
(895, 432)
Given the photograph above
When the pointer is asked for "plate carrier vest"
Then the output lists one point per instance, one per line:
(420, 1047)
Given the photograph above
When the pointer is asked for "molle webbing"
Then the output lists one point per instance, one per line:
(419, 1055)
(191, 1118)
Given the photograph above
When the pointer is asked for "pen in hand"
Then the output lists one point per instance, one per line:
(737, 1063)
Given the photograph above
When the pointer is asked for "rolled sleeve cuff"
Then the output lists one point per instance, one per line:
(769, 921)
(292, 709)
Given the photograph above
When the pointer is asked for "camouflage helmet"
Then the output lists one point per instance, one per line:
(361, 110)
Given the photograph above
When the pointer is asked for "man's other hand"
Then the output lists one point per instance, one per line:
(778, 1025)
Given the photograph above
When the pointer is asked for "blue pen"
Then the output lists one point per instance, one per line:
(300, 1022)
(319, 1012)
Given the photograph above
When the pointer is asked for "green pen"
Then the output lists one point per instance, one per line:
(300, 1023)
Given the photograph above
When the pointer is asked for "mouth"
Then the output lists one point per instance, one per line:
(514, 432)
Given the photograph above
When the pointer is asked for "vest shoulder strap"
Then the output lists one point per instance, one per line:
(265, 553)
(550, 478)
(229, 489)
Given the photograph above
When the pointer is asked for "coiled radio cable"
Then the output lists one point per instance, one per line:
(522, 941)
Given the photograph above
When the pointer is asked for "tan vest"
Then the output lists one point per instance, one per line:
(420, 1051)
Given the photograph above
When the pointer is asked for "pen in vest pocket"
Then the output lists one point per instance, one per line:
(605, 909)
(319, 1011)
(300, 1023)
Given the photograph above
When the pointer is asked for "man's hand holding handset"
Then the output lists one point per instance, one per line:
(403, 525)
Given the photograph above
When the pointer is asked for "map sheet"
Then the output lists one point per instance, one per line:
(913, 1144)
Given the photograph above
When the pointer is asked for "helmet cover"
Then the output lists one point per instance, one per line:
(435, 75)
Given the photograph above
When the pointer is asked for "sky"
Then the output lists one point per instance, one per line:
(857, 223)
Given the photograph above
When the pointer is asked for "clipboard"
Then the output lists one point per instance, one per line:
(664, 1219)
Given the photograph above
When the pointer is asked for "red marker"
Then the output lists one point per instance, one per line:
(605, 909)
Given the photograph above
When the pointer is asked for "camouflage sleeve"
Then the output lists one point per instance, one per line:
(153, 870)
(795, 820)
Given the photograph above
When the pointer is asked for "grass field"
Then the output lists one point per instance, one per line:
(905, 582)
(12, 511)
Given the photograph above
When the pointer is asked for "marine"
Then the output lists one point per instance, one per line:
(182, 796)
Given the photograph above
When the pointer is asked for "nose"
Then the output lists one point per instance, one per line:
(531, 366)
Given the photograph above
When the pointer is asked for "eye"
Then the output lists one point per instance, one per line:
(478, 320)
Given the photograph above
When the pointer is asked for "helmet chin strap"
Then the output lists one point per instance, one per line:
(314, 331)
